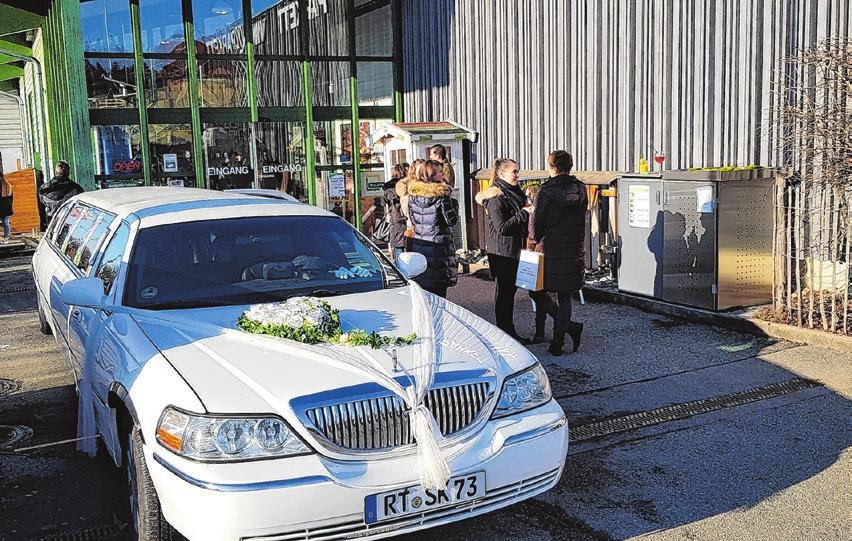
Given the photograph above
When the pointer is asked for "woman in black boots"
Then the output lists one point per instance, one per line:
(506, 223)
(559, 231)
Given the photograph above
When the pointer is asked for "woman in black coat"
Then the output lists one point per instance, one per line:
(559, 230)
(433, 213)
(506, 231)
(396, 240)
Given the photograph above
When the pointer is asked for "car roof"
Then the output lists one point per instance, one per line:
(188, 204)
(263, 192)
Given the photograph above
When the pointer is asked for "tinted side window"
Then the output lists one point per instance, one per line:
(111, 261)
(67, 225)
(78, 234)
(93, 241)
(58, 218)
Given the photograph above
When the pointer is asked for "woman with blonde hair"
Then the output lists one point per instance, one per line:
(433, 213)
(506, 232)
(6, 210)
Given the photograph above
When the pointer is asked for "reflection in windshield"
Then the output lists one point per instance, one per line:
(251, 260)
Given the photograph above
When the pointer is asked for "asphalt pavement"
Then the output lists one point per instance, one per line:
(680, 431)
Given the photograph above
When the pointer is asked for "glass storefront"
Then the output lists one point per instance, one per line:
(229, 90)
(172, 159)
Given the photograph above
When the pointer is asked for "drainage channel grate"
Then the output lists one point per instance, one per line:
(17, 289)
(96, 533)
(9, 386)
(688, 409)
(12, 435)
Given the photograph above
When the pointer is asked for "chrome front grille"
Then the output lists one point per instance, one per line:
(382, 422)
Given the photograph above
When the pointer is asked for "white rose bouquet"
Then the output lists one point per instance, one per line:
(311, 321)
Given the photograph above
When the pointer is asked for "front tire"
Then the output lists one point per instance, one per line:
(146, 517)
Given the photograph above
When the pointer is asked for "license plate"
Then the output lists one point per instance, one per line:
(411, 500)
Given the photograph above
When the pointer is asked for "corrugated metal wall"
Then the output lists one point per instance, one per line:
(10, 124)
(609, 80)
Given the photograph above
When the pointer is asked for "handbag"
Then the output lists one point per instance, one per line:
(381, 229)
(530, 271)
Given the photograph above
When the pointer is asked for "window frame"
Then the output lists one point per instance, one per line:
(106, 245)
(109, 219)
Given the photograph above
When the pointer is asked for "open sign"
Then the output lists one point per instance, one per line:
(125, 166)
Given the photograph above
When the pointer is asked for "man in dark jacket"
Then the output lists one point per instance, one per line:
(559, 232)
(59, 190)
(506, 224)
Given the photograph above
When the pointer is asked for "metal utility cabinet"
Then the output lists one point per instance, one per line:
(698, 238)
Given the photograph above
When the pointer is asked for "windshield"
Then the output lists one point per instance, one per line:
(252, 260)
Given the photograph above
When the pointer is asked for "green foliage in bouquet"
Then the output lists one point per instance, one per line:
(327, 331)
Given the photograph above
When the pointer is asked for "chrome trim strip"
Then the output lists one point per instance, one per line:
(536, 432)
(242, 487)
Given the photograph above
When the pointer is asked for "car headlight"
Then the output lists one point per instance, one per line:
(223, 439)
(524, 390)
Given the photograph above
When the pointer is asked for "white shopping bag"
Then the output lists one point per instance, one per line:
(530, 271)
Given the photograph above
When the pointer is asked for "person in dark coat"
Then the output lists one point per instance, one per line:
(433, 213)
(59, 190)
(506, 232)
(396, 241)
(540, 314)
(559, 233)
(6, 208)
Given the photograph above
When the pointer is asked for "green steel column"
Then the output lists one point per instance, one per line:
(398, 66)
(80, 128)
(356, 146)
(252, 80)
(139, 69)
(307, 92)
(50, 98)
(310, 156)
(251, 90)
(356, 120)
(194, 97)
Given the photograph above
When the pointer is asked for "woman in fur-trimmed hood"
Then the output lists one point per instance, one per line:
(433, 213)
(506, 229)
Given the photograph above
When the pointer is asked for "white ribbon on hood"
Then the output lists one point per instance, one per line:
(431, 463)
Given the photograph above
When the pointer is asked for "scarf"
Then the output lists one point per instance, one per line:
(515, 192)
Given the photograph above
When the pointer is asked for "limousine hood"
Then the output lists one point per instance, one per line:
(237, 372)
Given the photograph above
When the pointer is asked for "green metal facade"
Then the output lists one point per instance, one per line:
(71, 118)
(68, 128)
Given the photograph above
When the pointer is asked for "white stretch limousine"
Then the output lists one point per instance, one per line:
(229, 435)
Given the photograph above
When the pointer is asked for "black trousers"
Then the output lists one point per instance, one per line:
(504, 270)
(560, 311)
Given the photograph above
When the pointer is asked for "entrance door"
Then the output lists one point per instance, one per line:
(227, 156)
(280, 151)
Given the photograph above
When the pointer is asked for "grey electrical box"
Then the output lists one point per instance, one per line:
(698, 238)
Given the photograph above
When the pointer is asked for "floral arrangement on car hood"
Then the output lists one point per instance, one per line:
(311, 321)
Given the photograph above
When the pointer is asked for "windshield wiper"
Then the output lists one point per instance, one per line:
(325, 292)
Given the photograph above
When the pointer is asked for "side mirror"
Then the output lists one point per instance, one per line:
(411, 264)
(83, 292)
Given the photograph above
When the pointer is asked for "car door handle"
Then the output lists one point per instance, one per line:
(76, 314)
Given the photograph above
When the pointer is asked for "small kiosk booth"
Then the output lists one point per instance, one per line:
(405, 142)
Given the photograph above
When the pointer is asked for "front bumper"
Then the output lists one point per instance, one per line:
(313, 497)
